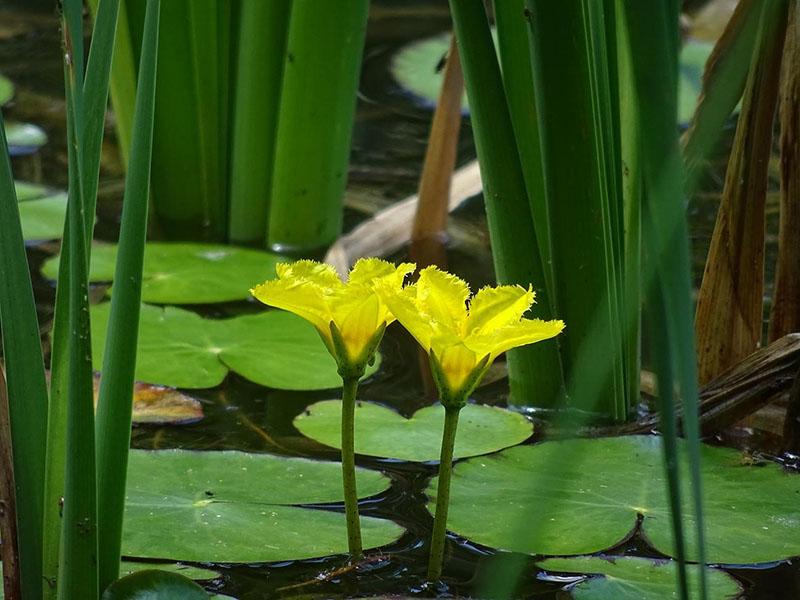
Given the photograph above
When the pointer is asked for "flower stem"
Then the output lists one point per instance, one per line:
(443, 494)
(349, 467)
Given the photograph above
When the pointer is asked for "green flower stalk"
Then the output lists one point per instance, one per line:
(462, 335)
(350, 318)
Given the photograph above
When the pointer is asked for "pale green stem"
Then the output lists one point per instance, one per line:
(349, 467)
(443, 494)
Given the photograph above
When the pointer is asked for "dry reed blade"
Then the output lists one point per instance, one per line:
(785, 314)
(729, 306)
(430, 223)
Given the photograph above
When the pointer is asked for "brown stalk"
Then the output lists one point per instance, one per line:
(430, 223)
(729, 306)
(8, 512)
(785, 314)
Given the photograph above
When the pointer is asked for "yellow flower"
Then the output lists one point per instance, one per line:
(464, 335)
(350, 317)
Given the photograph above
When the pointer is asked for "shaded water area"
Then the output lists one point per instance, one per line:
(388, 145)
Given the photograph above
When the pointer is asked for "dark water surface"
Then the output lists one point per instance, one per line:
(388, 146)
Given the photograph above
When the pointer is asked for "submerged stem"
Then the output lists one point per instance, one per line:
(349, 467)
(443, 494)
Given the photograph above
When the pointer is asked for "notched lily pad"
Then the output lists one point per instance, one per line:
(41, 211)
(235, 507)
(179, 348)
(381, 431)
(186, 273)
(587, 495)
(6, 89)
(415, 68)
(24, 138)
(632, 578)
(127, 567)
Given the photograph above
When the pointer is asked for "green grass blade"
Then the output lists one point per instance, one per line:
(27, 389)
(723, 83)
(573, 76)
(312, 148)
(77, 574)
(259, 67)
(95, 94)
(654, 40)
(534, 371)
(113, 424)
(189, 184)
(515, 60)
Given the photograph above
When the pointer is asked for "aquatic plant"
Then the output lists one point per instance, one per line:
(350, 318)
(462, 335)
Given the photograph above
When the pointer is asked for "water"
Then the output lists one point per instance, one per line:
(388, 146)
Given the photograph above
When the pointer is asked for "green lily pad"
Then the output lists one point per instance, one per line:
(154, 585)
(24, 138)
(235, 507)
(631, 578)
(186, 273)
(381, 431)
(179, 348)
(128, 567)
(414, 67)
(6, 89)
(587, 495)
(42, 211)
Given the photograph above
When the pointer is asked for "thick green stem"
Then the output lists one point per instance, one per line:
(349, 466)
(443, 494)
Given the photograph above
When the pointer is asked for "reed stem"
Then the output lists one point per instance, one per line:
(443, 494)
(349, 467)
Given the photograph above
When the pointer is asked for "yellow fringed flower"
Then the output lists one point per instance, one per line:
(464, 335)
(350, 317)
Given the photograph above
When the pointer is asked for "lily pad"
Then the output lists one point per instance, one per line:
(631, 578)
(235, 507)
(181, 349)
(41, 211)
(24, 138)
(381, 431)
(127, 567)
(186, 273)
(414, 67)
(6, 90)
(584, 496)
(154, 585)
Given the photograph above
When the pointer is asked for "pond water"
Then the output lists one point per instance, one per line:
(388, 146)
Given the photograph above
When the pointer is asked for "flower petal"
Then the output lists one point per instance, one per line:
(321, 274)
(443, 297)
(366, 270)
(360, 325)
(494, 307)
(299, 297)
(404, 306)
(527, 331)
(457, 362)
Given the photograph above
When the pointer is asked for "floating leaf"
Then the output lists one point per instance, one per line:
(381, 431)
(159, 404)
(179, 348)
(6, 90)
(41, 211)
(631, 578)
(415, 68)
(127, 567)
(31, 191)
(583, 496)
(154, 585)
(186, 273)
(239, 508)
(24, 138)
